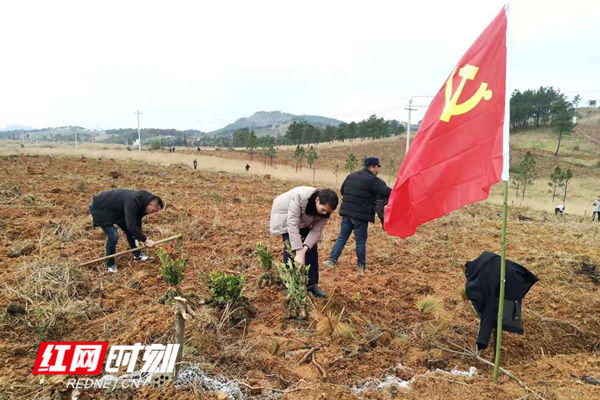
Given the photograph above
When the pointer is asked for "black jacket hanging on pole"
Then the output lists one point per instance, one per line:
(483, 289)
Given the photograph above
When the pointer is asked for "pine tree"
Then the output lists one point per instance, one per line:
(528, 173)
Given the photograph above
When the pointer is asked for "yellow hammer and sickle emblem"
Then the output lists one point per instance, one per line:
(451, 107)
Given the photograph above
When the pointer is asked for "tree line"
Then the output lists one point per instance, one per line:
(305, 133)
(536, 108)
(544, 107)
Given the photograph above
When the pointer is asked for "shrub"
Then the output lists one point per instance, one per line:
(224, 288)
(226, 293)
(295, 278)
(266, 258)
(155, 144)
(267, 278)
(172, 271)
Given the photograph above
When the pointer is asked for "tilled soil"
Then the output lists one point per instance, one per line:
(44, 219)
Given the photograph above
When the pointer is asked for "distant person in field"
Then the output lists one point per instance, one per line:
(247, 167)
(198, 148)
(360, 191)
(125, 209)
(559, 210)
(299, 216)
(596, 210)
(195, 164)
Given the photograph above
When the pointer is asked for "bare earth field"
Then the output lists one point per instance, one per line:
(222, 216)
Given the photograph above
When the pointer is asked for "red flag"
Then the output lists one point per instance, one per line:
(457, 153)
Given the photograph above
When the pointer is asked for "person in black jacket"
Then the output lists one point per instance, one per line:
(359, 191)
(125, 209)
(483, 289)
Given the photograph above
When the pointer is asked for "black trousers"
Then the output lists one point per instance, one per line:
(311, 257)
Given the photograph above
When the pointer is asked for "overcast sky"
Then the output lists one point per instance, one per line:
(202, 65)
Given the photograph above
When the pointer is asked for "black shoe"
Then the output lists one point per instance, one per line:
(316, 290)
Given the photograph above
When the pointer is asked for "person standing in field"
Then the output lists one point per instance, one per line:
(596, 210)
(360, 191)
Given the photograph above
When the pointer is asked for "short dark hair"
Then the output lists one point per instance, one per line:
(328, 196)
(158, 200)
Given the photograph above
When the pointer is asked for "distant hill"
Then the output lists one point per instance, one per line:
(273, 122)
(15, 127)
(60, 133)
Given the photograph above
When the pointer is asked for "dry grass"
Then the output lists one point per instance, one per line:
(71, 230)
(55, 297)
(428, 305)
(332, 325)
(9, 193)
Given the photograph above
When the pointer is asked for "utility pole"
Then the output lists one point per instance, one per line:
(409, 108)
(22, 138)
(75, 137)
(139, 135)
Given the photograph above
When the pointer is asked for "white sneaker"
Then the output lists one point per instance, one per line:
(112, 268)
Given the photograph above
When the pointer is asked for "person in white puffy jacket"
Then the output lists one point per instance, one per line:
(596, 209)
(299, 216)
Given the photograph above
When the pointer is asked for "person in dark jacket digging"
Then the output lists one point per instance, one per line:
(125, 209)
(359, 191)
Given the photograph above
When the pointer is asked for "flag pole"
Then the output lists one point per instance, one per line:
(505, 175)
(502, 285)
